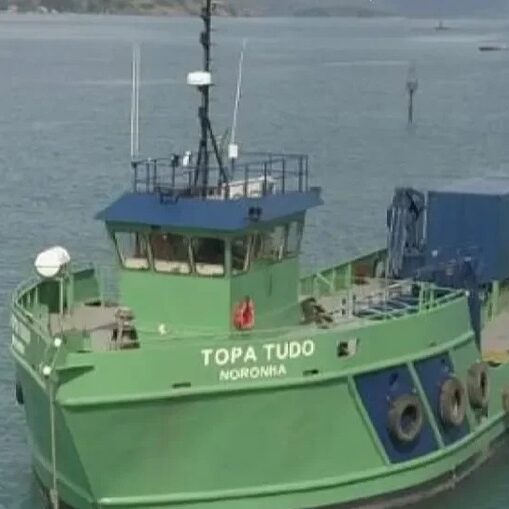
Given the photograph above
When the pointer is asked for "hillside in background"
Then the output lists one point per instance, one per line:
(362, 8)
(311, 7)
(149, 7)
(410, 8)
(446, 8)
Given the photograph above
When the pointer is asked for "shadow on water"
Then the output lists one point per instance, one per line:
(486, 488)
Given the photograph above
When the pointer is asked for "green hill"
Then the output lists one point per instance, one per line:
(192, 7)
(155, 7)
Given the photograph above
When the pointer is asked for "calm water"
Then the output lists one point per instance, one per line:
(333, 88)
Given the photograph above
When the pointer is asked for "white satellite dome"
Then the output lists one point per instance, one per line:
(51, 262)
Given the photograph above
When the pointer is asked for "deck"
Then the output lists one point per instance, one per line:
(96, 322)
(495, 339)
(338, 297)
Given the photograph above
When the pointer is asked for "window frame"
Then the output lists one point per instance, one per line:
(248, 259)
(190, 262)
(299, 224)
(204, 266)
(120, 255)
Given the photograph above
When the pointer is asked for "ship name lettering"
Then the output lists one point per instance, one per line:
(289, 350)
(252, 373)
(249, 355)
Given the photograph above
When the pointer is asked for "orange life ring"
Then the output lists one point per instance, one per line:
(244, 314)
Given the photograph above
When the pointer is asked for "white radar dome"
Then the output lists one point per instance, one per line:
(51, 262)
(199, 79)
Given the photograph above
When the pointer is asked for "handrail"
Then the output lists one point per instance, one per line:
(255, 173)
(384, 303)
(30, 285)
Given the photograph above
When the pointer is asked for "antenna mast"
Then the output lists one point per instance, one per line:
(233, 148)
(135, 103)
(203, 81)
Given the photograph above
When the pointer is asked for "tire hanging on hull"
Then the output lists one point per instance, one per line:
(406, 418)
(453, 402)
(478, 386)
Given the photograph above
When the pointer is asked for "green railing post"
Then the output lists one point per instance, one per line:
(495, 299)
(100, 283)
(349, 276)
(421, 297)
(70, 292)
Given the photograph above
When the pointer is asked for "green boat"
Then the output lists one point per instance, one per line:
(219, 377)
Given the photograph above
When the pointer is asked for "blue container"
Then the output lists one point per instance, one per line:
(470, 219)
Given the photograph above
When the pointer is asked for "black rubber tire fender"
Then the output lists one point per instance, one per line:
(453, 402)
(20, 398)
(478, 386)
(406, 418)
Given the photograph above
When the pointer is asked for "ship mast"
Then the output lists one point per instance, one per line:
(203, 82)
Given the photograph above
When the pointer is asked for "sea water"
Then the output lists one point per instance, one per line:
(334, 88)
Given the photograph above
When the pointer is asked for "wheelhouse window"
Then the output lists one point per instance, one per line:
(273, 244)
(132, 249)
(209, 256)
(294, 238)
(280, 242)
(240, 248)
(170, 253)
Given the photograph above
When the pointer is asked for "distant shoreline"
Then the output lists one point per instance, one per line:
(186, 14)
(174, 8)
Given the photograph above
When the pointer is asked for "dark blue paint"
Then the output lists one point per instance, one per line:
(470, 219)
(195, 213)
(377, 390)
(433, 372)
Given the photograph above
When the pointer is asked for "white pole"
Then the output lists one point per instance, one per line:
(135, 102)
(238, 94)
(138, 78)
(54, 497)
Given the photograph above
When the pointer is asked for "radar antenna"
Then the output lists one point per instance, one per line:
(202, 80)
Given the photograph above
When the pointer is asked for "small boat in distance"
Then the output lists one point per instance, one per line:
(441, 26)
(493, 47)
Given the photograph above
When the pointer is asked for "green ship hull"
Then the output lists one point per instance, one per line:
(276, 421)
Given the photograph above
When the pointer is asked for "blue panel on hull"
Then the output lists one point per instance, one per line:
(377, 390)
(433, 373)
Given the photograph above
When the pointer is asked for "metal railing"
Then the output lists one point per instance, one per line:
(26, 295)
(396, 298)
(252, 175)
